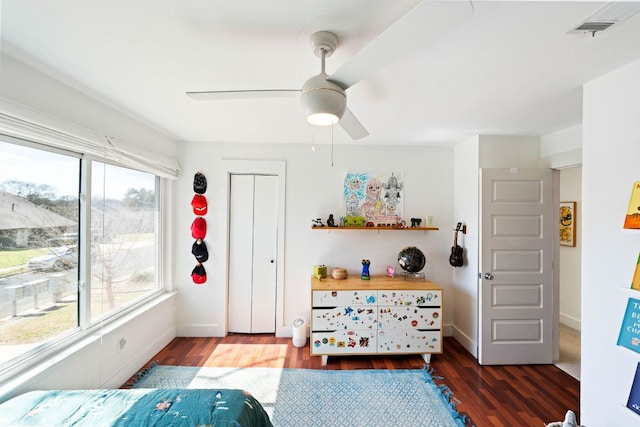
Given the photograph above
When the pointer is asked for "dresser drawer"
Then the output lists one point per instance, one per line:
(341, 318)
(430, 298)
(409, 341)
(408, 317)
(344, 342)
(344, 298)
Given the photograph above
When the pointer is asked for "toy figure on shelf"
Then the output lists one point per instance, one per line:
(317, 222)
(330, 221)
(365, 269)
(391, 271)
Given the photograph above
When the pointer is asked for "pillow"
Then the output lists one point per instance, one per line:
(569, 421)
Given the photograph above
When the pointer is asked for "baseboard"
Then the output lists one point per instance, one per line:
(470, 345)
(200, 330)
(447, 330)
(571, 322)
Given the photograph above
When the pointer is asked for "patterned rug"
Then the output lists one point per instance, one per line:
(307, 397)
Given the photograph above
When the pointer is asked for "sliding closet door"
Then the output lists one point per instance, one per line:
(252, 253)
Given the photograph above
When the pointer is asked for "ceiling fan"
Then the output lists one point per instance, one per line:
(323, 97)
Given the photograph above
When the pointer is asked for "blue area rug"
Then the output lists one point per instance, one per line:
(307, 397)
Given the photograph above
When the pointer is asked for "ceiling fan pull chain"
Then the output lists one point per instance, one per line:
(323, 54)
(332, 126)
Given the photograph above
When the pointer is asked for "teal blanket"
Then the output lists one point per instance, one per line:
(137, 407)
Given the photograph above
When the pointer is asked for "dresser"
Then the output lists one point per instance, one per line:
(383, 315)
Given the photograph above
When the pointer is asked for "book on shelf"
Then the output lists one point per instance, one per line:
(634, 395)
(632, 219)
(635, 282)
(630, 330)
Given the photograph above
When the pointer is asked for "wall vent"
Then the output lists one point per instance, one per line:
(588, 27)
(606, 17)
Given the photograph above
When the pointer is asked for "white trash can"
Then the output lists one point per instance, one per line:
(299, 332)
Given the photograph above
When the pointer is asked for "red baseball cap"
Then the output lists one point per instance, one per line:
(199, 275)
(199, 228)
(199, 204)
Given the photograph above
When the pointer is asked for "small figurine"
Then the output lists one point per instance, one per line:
(365, 269)
(391, 271)
(317, 222)
(415, 222)
(330, 221)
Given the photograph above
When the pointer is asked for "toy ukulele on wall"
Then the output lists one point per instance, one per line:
(456, 259)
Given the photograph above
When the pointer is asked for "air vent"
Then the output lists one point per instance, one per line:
(593, 26)
(611, 14)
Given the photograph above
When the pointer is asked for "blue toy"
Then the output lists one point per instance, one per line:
(365, 269)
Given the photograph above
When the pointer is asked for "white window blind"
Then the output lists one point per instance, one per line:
(22, 122)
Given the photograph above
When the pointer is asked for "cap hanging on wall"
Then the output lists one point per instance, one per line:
(199, 183)
(199, 274)
(199, 204)
(199, 250)
(199, 228)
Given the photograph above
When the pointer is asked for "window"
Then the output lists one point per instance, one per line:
(50, 241)
(123, 228)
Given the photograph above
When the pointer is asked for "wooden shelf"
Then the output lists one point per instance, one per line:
(378, 228)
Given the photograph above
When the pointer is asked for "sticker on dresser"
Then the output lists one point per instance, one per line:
(344, 298)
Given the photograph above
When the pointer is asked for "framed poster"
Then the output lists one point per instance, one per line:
(567, 223)
(374, 198)
(632, 218)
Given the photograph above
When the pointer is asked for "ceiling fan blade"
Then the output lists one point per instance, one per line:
(416, 29)
(244, 94)
(352, 125)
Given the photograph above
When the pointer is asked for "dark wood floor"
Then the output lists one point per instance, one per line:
(528, 395)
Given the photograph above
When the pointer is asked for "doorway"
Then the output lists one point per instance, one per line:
(516, 269)
(252, 253)
(570, 282)
(249, 266)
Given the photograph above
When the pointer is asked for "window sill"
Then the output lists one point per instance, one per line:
(24, 371)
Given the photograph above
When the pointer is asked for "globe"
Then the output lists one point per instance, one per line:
(411, 259)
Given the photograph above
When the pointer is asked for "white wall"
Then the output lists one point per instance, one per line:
(465, 278)
(313, 189)
(95, 362)
(611, 153)
(26, 86)
(571, 257)
(499, 151)
(562, 149)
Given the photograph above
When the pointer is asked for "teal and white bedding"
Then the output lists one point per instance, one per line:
(135, 407)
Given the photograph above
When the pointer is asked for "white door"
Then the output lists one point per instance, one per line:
(252, 253)
(516, 279)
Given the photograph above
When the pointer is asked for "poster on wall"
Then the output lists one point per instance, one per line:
(568, 223)
(630, 330)
(373, 198)
(632, 219)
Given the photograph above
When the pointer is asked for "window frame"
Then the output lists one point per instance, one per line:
(85, 327)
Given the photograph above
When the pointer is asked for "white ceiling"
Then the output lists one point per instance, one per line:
(508, 68)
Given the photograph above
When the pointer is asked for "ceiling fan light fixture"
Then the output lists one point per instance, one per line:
(323, 119)
(323, 102)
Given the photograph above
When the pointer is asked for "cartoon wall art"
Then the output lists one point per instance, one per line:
(632, 218)
(568, 224)
(373, 198)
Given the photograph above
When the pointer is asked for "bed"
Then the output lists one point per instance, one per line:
(134, 407)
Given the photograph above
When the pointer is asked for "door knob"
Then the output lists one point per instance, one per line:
(272, 261)
(488, 276)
